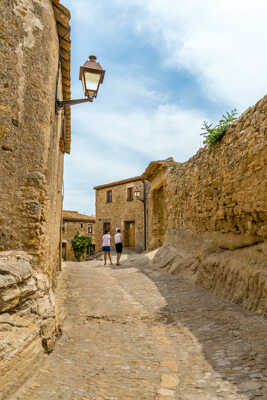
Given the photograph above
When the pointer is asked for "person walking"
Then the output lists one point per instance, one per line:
(118, 245)
(106, 247)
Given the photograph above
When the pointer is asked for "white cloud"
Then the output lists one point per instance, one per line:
(223, 43)
(167, 130)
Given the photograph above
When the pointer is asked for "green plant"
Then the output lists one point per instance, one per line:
(80, 244)
(213, 134)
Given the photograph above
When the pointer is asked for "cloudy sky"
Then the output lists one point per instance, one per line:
(170, 64)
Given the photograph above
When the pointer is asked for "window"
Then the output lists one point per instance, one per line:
(81, 225)
(90, 229)
(64, 226)
(129, 194)
(109, 196)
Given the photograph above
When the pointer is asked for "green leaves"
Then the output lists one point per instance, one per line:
(211, 134)
(80, 244)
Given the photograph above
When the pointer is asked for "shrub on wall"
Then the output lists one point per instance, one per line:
(211, 134)
(80, 245)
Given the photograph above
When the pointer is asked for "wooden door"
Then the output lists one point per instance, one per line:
(129, 233)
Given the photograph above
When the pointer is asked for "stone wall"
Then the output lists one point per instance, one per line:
(31, 170)
(217, 213)
(118, 212)
(31, 161)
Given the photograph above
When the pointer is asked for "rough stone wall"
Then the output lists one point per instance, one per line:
(31, 169)
(225, 190)
(119, 211)
(31, 162)
(217, 213)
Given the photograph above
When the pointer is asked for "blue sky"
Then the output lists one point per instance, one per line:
(169, 65)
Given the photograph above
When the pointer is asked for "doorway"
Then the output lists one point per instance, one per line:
(106, 227)
(129, 233)
(64, 251)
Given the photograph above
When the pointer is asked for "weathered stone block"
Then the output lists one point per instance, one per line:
(48, 328)
(19, 269)
(45, 308)
(9, 298)
(28, 288)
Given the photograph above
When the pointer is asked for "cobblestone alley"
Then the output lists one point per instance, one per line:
(134, 332)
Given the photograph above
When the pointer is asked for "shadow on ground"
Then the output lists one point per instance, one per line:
(234, 341)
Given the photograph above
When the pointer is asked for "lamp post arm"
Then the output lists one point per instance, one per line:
(64, 103)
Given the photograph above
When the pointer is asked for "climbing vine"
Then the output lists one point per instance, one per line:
(213, 134)
(80, 245)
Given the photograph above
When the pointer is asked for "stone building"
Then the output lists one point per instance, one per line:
(72, 223)
(157, 217)
(35, 70)
(117, 207)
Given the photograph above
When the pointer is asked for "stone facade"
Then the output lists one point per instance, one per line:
(72, 223)
(35, 60)
(216, 210)
(117, 207)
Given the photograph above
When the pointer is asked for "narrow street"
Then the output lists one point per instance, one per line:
(134, 332)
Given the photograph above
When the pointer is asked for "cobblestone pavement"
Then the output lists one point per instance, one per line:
(133, 332)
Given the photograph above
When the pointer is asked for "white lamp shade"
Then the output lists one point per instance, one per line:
(91, 81)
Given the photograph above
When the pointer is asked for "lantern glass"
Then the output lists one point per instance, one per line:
(91, 81)
(137, 193)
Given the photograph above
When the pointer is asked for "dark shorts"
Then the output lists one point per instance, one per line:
(106, 248)
(118, 247)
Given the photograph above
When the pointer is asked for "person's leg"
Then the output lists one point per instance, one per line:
(105, 257)
(119, 253)
(109, 256)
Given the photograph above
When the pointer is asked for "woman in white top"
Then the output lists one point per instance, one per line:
(106, 247)
(118, 245)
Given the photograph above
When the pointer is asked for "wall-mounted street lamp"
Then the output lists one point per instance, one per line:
(137, 194)
(91, 75)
